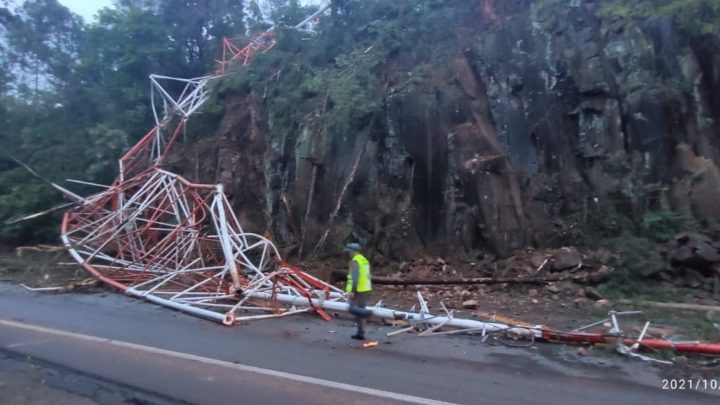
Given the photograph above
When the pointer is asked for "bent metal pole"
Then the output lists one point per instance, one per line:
(538, 332)
(420, 317)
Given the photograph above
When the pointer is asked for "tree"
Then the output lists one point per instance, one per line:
(74, 96)
(44, 37)
(196, 28)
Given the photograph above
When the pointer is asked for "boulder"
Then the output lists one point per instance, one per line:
(566, 258)
(696, 251)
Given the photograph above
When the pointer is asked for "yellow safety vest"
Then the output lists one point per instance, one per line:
(363, 283)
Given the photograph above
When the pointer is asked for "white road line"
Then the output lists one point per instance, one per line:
(225, 364)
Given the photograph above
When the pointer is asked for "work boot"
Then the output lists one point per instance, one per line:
(360, 334)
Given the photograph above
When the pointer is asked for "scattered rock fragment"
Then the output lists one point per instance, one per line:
(553, 288)
(600, 276)
(538, 260)
(470, 304)
(602, 304)
(592, 293)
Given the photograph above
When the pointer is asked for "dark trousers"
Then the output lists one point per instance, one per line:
(357, 307)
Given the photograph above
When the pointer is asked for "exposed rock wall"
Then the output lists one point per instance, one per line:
(534, 117)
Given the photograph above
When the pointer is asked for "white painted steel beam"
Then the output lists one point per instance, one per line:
(392, 314)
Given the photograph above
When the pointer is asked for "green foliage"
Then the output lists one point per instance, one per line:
(607, 221)
(337, 72)
(107, 146)
(612, 9)
(598, 222)
(661, 226)
(207, 120)
(697, 16)
(638, 257)
(21, 194)
(350, 90)
(694, 16)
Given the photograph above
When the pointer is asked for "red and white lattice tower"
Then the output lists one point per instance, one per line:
(155, 235)
(261, 43)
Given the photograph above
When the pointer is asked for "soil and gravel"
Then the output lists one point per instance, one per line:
(40, 268)
(562, 305)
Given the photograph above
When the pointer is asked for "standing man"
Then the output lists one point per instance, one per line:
(358, 287)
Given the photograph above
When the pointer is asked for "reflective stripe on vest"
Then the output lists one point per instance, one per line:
(363, 284)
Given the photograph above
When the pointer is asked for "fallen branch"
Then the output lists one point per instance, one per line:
(39, 248)
(463, 281)
(583, 279)
(72, 286)
(67, 193)
(41, 289)
(38, 214)
(672, 305)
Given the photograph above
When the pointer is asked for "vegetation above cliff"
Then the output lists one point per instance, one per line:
(695, 16)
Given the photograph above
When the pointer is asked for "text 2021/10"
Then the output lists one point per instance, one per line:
(690, 384)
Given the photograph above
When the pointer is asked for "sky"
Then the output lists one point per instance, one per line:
(86, 8)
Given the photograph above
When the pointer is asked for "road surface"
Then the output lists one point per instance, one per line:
(108, 348)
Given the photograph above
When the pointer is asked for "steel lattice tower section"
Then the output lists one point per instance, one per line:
(155, 235)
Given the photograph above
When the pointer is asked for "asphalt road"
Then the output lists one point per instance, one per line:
(154, 355)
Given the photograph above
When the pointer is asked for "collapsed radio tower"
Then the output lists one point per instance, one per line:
(154, 235)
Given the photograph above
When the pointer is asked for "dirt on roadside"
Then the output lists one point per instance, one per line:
(43, 268)
(562, 306)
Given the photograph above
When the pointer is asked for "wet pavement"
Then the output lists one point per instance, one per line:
(303, 359)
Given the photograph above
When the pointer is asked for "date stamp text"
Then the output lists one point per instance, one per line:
(690, 384)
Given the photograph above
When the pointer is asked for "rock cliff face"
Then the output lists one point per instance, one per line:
(540, 121)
